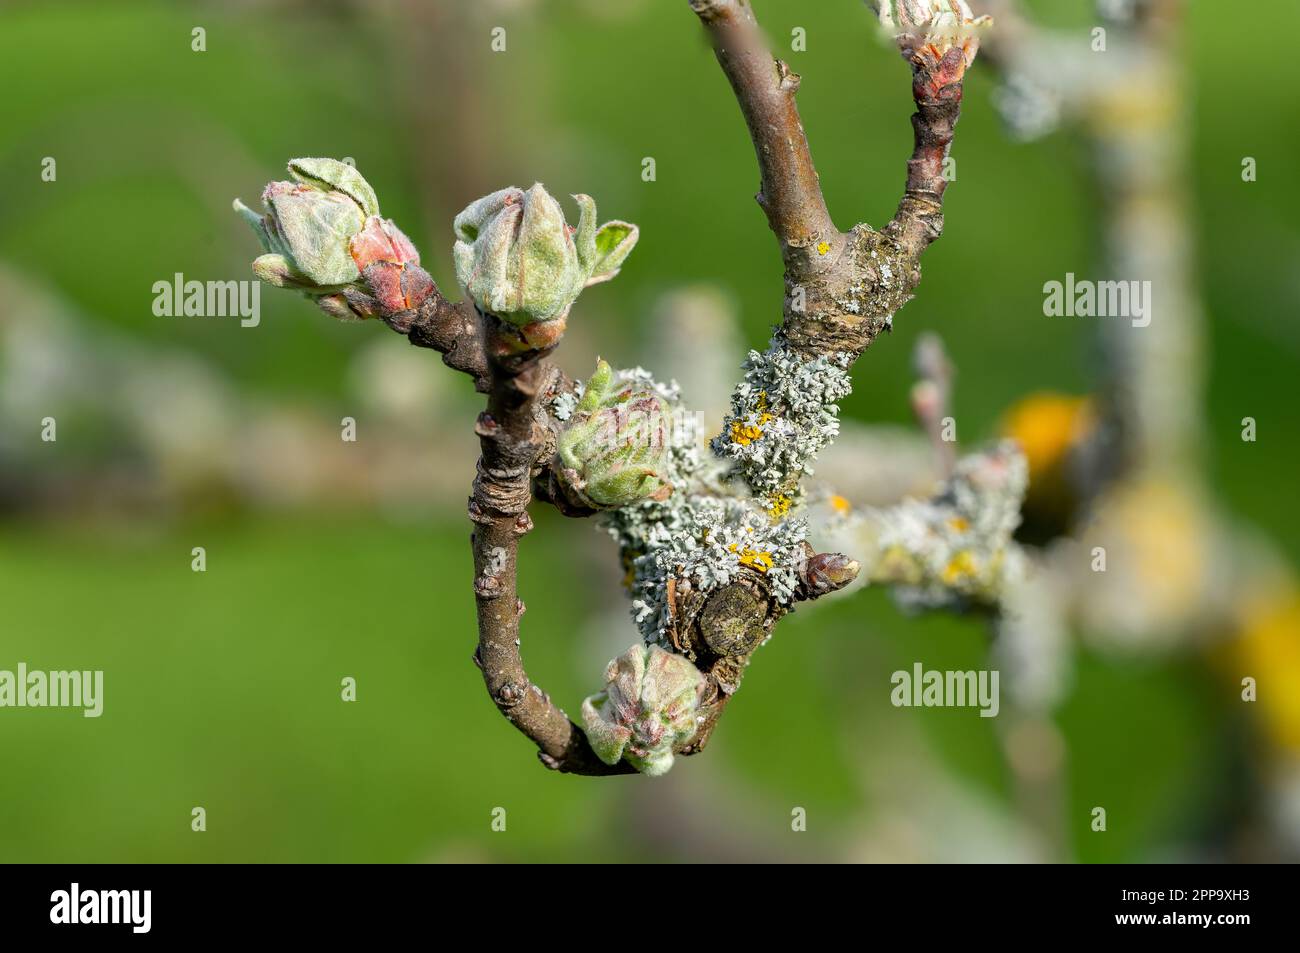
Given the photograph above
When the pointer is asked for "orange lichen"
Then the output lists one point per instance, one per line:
(779, 505)
(752, 558)
(744, 434)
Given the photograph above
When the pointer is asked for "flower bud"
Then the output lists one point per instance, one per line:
(926, 30)
(323, 236)
(614, 451)
(648, 708)
(517, 258)
(828, 572)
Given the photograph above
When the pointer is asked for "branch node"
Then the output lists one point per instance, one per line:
(486, 426)
(787, 78)
(511, 694)
(477, 514)
(551, 763)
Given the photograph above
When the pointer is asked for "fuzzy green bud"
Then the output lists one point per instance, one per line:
(323, 236)
(649, 707)
(614, 451)
(518, 258)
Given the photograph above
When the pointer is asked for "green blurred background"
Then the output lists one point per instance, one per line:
(222, 688)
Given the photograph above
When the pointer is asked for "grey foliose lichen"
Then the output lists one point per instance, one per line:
(708, 532)
(955, 548)
(716, 539)
(784, 411)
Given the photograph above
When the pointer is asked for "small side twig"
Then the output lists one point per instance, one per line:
(937, 90)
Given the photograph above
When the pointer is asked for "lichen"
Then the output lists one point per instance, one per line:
(784, 411)
(715, 540)
(712, 530)
(954, 548)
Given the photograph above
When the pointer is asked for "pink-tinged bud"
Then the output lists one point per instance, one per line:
(381, 240)
(324, 236)
(614, 449)
(828, 572)
(648, 708)
(927, 30)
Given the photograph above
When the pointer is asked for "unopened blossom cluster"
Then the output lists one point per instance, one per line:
(926, 30)
(518, 258)
(956, 547)
(614, 450)
(640, 526)
(782, 414)
(323, 236)
(649, 707)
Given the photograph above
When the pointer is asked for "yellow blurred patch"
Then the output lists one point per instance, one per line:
(1268, 651)
(961, 568)
(1046, 425)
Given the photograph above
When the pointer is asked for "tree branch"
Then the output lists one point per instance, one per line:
(790, 191)
(513, 436)
(842, 288)
(451, 328)
(517, 439)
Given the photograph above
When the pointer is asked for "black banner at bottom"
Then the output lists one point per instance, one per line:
(137, 903)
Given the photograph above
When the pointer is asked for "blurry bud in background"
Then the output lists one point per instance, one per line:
(694, 337)
(1053, 431)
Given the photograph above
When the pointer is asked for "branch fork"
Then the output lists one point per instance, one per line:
(842, 290)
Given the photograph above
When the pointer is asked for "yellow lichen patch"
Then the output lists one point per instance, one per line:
(744, 434)
(823, 247)
(959, 523)
(1046, 425)
(752, 558)
(840, 505)
(779, 505)
(961, 568)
